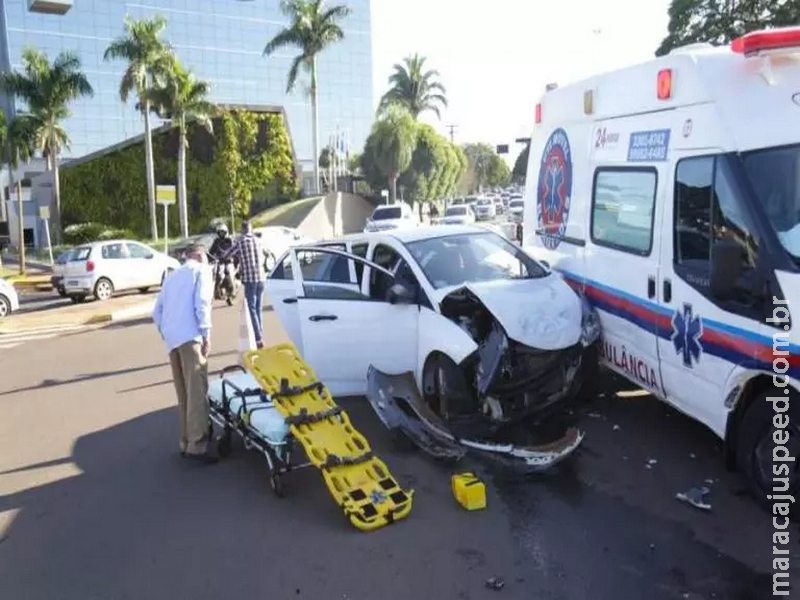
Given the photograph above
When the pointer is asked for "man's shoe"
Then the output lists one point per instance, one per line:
(206, 458)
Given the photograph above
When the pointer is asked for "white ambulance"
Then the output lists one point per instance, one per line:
(669, 194)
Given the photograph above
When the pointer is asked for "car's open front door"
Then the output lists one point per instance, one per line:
(343, 330)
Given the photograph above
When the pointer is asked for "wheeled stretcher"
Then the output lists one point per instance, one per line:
(277, 402)
(237, 404)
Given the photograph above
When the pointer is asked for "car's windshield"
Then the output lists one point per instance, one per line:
(472, 257)
(456, 211)
(515, 204)
(388, 212)
(484, 202)
(775, 176)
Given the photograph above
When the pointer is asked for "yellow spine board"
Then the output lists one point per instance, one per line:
(358, 481)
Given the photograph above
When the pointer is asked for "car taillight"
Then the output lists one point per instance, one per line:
(89, 266)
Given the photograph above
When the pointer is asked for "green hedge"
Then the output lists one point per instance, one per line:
(249, 155)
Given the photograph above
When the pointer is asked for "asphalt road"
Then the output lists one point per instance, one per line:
(96, 505)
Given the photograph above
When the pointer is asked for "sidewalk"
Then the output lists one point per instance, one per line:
(91, 313)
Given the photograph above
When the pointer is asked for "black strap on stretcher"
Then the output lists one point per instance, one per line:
(305, 418)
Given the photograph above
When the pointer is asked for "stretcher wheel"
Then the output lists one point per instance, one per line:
(224, 445)
(276, 482)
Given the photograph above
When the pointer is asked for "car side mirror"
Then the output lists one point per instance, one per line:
(149, 256)
(545, 264)
(726, 267)
(400, 294)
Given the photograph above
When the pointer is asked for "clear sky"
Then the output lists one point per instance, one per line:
(496, 56)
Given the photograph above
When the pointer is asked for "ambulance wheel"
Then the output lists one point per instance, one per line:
(224, 445)
(276, 483)
(756, 444)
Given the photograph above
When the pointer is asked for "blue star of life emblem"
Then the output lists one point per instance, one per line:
(687, 330)
(555, 179)
(377, 497)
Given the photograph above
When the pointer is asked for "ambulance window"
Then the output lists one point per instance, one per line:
(622, 208)
(707, 210)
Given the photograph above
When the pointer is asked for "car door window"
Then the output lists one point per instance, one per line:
(114, 251)
(328, 276)
(391, 260)
(138, 251)
(359, 250)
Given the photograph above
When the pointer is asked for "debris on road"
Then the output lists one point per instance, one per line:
(696, 497)
(495, 583)
(594, 415)
(651, 462)
(616, 428)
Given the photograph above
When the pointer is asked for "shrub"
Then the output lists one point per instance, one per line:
(248, 153)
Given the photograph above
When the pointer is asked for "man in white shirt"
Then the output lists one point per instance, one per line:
(182, 315)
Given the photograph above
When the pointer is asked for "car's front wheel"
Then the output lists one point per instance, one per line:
(5, 307)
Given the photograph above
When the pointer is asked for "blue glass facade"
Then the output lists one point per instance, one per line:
(222, 42)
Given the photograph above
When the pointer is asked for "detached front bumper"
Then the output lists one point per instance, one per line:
(401, 408)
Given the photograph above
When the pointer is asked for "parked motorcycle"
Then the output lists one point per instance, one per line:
(226, 284)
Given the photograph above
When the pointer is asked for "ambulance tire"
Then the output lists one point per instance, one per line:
(755, 447)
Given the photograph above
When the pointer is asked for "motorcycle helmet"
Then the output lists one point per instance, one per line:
(222, 230)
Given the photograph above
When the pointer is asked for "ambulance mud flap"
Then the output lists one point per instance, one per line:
(400, 407)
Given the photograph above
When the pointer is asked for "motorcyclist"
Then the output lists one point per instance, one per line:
(222, 244)
(219, 252)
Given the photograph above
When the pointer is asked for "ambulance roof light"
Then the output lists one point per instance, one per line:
(664, 84)
(538, 113)
(767, 39)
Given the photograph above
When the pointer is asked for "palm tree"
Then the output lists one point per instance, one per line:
(312, 28)
(392, 144)
(149, 59)
(414, 88)
(21, 141)
(181, 98)
(48, 89)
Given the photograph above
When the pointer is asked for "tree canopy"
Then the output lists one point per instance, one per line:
(720, 21)
(520, 170)
(485, 168)
(415, 88)
(435, 169)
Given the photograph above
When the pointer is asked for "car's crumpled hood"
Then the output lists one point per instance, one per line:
(541, 313)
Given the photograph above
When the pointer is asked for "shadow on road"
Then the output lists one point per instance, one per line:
(56, 383)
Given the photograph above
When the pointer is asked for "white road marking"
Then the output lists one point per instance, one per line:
(12, 340)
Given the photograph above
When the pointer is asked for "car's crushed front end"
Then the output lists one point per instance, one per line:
(529, 358)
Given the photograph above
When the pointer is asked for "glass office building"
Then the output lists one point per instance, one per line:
(221, 41)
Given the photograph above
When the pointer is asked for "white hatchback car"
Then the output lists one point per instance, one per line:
(479, 331)
(101, 268)
(9, 300)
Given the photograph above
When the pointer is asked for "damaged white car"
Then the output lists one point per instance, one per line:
(454, 334)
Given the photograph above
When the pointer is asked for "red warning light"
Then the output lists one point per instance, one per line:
(538, 113)
(664, 84)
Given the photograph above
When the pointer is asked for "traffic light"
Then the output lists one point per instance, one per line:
(502, 149)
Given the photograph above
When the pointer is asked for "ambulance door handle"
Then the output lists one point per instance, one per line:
(667, 295)
(651, 287)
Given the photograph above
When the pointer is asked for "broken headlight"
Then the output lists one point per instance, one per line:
(590, 323)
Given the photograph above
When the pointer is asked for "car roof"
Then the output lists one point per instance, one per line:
(414, 234)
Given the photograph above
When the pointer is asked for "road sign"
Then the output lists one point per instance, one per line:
(166, 194)
(44, 212)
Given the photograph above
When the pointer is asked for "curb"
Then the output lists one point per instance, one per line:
(123, 314)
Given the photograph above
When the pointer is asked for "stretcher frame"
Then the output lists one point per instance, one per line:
(279, 456)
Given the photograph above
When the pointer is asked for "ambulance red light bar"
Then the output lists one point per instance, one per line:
(767, 39)
(538, 113)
